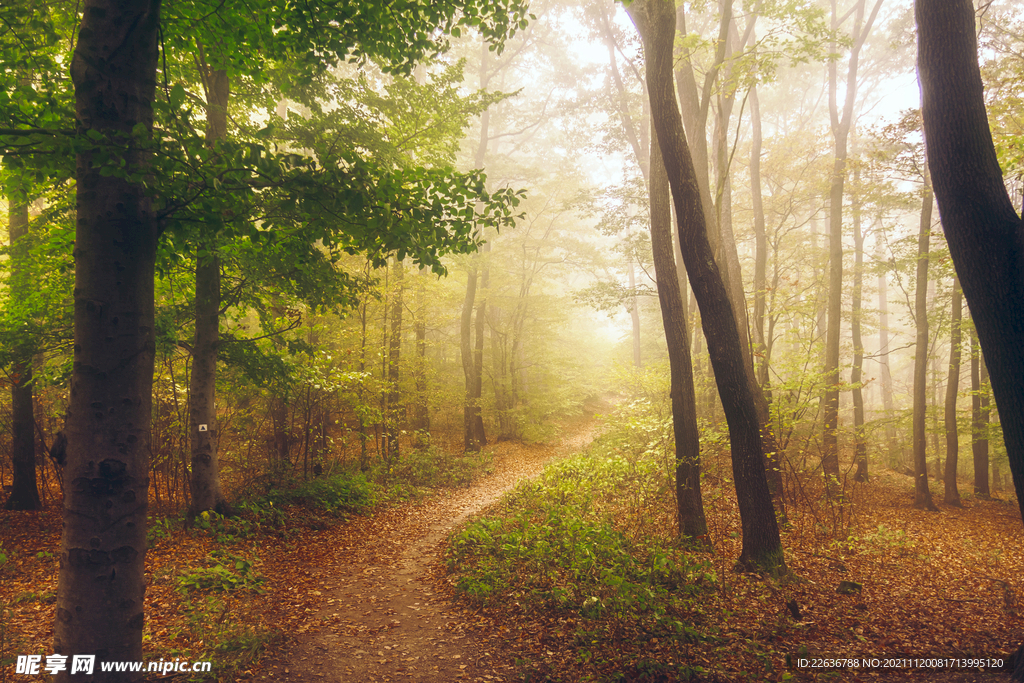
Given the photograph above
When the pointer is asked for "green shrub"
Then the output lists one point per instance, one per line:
(431, 466)
(558, 545)
(228, 573)
(343, 492)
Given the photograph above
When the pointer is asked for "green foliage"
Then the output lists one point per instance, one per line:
(229, 572)
(229, 640)
(557, 545)
(343, 492)
(431, 466)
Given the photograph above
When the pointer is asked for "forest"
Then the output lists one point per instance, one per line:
(489, 340)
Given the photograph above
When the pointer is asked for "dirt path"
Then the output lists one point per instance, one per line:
(381, 617)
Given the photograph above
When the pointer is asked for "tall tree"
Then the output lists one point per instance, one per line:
(762, 546)
(24, 490)
(689, 504)
(204, 477)
(984, 232)
(102, 581)
(922, 494)
(860, 446)
(951, 494)
(842, 122)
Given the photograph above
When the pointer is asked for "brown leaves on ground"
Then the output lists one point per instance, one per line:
(366, 600)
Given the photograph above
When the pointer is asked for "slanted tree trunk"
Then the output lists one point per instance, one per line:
(984, 232)
(689, 504)
(922, 494)
(762, 547)
(24, 489)
(204, 478)
(979, 420)
(102, 580)
(952, 495)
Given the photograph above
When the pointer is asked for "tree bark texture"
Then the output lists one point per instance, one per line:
(984, 232)
(103, 545)
(689, 504)
(204, 478)
(24, 489)
(952, 494)
(762, 548)
(922, 494)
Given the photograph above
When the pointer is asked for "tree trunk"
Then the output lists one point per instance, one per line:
(24, 489)
(760, 243)
(204, 478)
(421, 405)
(984, 232)
(472, 356)
(979, 421)
(479, 435)
(860, 447)
(952, 495)
(393, 416)
(883, 352)
(689, 504)
(102, 580)
(762, 548)
(922, 494)
(842, 122)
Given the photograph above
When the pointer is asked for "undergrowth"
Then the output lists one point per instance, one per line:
(575, 543)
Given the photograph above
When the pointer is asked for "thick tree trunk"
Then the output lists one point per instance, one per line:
(979, 421)
(689, 504)
(984, 233)
(204, 477)
(102, 580)
(922, 494)
(24, 489)
(952, 495)
(762, 547)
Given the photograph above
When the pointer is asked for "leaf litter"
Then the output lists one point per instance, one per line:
(369, 600)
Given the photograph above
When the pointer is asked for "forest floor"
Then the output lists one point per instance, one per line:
(368, 600)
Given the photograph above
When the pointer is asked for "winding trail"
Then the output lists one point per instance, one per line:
(382, 617)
